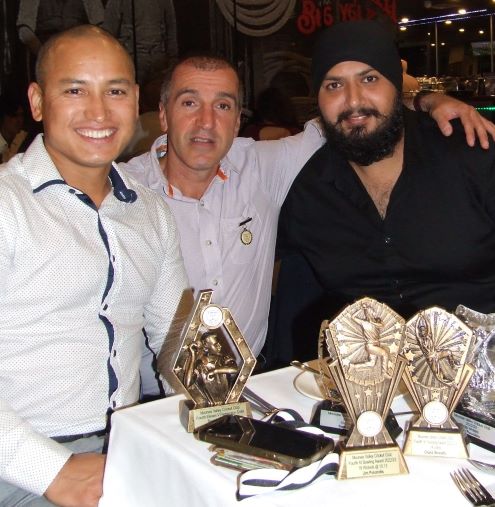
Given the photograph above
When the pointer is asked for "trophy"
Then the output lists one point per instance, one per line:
(436, 348)
(476, 411)
(213, 364)
(364, 341)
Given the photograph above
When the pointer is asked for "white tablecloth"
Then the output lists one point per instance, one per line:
(153, 461)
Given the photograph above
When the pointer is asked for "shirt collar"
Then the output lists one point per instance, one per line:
(42, 173)
(160, 146)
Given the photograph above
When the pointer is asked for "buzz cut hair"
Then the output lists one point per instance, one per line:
(76, 32)
(200, 62)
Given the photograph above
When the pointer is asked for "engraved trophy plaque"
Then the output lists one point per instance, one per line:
(213, 364)
(476, 411)
(436, 348)
(365, 340)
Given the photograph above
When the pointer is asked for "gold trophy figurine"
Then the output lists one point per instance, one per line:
(206, 364)
(365, 341)
(436, 349)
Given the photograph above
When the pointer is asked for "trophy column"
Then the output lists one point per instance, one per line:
(212, 371)
(436, 349)
(364, 342)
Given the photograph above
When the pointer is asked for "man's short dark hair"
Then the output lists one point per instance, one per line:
(201, 62)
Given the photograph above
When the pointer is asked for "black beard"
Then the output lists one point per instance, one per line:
(362, 147)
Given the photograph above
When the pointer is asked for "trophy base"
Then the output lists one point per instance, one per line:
(480, 430)
(192, 417)
(377, 461)
(437, 443)
(332, 418)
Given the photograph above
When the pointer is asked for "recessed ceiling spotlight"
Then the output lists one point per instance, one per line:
(462, 11)
(403, 28)
(404, 20)
(461, 29)
(448, 22)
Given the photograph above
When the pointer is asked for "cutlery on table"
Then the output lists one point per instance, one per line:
(258, 403)
(332, 393)
(306, 367)
(471, 488)
(481, 465)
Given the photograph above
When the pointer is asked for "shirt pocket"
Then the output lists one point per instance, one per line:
(240, 236)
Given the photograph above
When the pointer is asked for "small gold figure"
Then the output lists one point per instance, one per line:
(209, 368)
(372, 326)
(444, 371)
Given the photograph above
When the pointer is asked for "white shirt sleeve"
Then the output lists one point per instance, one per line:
(172, 298)
(277, 162)
(28, 459)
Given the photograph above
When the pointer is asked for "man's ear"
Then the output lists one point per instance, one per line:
(137, 101)
(238, 124)
(162, 115)
(35, 95)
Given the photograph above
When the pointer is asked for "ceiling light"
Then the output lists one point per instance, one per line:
(461, 29)
(462, 11)
(448, 22)
(404, 20)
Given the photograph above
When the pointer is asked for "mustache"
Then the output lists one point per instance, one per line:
(362, 111)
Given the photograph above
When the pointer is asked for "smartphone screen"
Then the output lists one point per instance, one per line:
(264, 439)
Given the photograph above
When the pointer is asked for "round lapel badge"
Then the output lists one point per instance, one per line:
(246, 236)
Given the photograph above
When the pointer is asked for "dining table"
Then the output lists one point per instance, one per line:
(154, 462)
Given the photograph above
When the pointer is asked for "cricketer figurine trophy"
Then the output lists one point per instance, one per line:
(436, 348)
(213, 364)
(364, 341)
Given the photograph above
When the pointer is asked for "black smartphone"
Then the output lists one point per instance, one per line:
(259, 438)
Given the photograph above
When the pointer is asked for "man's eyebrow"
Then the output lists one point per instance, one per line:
(116, 81)
(330, 77)
(195, 92)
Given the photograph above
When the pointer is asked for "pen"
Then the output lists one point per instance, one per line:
(244, 222)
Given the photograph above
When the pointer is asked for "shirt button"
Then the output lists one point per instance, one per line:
(215, 282)
(72, 191)
(114, 353)
(208, 242)
(388, 240)
(202, 203)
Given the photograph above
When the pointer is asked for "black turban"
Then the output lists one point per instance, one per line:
(366, 41)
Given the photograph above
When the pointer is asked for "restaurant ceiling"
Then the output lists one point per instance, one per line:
(474, 28)
(414, 9)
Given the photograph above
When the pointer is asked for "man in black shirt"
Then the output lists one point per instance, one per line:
(388, 207)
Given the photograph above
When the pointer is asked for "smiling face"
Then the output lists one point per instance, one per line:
(201, 117)
(88, 103)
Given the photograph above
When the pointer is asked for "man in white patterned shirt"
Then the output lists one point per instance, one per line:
(90, 264)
